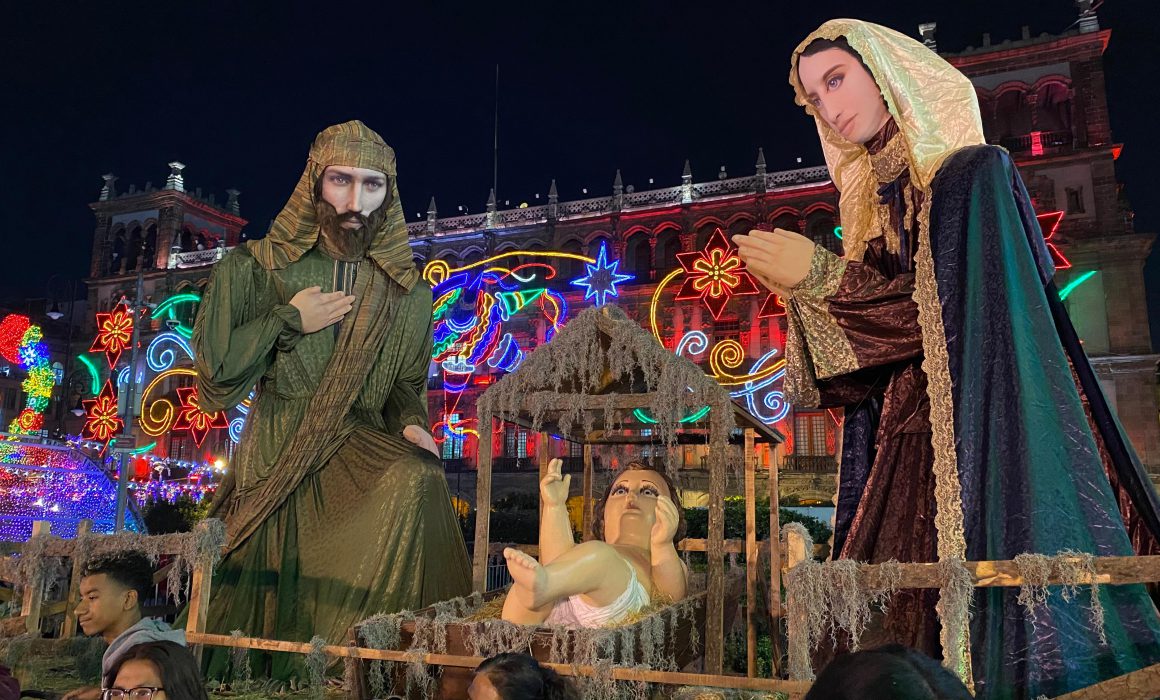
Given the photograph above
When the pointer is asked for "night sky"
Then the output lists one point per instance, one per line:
(238, 90)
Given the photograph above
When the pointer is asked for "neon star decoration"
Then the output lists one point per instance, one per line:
(1049, 224)
(190, 416)
(114, 333)
(715, 275)
(103, 421)
(602, 278)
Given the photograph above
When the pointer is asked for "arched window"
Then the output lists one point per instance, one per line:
(639, 257)
(569, 268)
(787, 222)
(668, 245)
(594, 247)
(1054, 107)
(133, 250)
(704, 231)
(116, 254)
(820, 229)
(149, 251)
(1012, 118)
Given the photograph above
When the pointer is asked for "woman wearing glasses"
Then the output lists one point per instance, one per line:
(155, 671)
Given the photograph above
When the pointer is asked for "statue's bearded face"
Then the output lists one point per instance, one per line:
(844, 94)
(350, 208)
(353, 192)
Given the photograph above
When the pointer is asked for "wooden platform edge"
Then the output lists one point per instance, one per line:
(795, 689)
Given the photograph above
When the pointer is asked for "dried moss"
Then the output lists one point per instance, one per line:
(825, 599)
(645, 640)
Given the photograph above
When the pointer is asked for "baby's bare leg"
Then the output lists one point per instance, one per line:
(593, 569)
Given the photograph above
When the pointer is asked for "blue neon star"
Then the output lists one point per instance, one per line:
(602, 278)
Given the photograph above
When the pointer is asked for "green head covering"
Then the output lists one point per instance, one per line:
(296, 229)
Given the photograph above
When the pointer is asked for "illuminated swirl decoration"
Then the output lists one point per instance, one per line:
(159, 415)
(103, 420)
(114, 333)
(193, 419)
(473, 303)
(20, 344)
(715, 275)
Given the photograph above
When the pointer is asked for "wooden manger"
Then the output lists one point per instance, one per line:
(588, 386)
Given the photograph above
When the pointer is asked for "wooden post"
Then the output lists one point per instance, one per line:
(34, 589)
(774, 565)
(482, 505)
(542, 460)
(589, 486)
(69, 627)
(715, 601)
(199, 590)
(795, 553)
(752, 563)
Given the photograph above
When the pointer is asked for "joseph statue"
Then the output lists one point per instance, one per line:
(336, 505)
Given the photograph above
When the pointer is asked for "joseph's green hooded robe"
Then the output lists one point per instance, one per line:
(332, 515)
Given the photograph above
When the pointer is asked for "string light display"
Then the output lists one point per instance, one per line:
(1049, 224)
(473, 303)
(20, 343)
(114, 333)
(102, 418)
(715, 275)
(191, 418)
(54, 483)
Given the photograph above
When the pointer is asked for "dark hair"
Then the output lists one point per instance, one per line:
(130, 568)
(892, 672)
(179, 670)
(598, 512)
(819, 45)
(520, 677)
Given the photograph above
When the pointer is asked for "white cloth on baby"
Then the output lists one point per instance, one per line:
(573, 611)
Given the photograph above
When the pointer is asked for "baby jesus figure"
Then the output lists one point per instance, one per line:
(602, 581)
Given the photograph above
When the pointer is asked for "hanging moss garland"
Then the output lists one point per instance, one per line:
(648, 639)
(35, 566)
(830, 598)
(598, 348)
(1072, 569)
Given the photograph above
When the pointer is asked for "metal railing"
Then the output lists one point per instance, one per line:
(198, 258)
(629, 200)
(811, 464)
(1047, 140)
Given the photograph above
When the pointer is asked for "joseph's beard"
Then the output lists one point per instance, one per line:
(341, 242)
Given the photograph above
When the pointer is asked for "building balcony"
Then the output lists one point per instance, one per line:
(1038, 142)
(809, 464)
(197, 258)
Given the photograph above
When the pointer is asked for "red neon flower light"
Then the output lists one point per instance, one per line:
(193, 419)
(1049, 224)
(103, 420)
(714, 275)
(114, 333)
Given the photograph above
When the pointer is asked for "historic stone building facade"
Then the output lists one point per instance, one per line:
(1043, 98)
